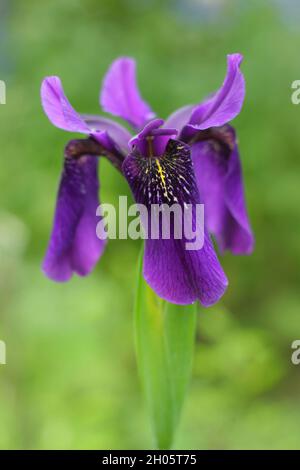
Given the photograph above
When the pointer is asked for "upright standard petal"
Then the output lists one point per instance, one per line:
(220, 182)
(176, 274)
(58, 108)
(120, 95)
(116, 131)
(226, 103)
(73, 245)
(180, 117)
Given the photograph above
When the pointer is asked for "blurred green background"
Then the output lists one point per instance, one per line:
(70, 380)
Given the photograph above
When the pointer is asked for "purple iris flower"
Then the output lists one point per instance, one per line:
(190, 158)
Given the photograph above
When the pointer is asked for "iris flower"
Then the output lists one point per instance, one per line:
(192, 157)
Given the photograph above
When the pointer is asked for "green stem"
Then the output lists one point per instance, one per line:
(165, 337)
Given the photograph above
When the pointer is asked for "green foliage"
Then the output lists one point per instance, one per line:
(165, 336)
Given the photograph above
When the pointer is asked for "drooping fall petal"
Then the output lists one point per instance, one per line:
(220, 181)
(176, 274)
(74, 246)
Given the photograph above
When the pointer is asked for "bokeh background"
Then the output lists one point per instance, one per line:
(70, 380)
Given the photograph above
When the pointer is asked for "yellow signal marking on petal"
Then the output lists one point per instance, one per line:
(161, 173)
(162, 177)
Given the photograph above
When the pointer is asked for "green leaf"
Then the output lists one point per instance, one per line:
(165, 336)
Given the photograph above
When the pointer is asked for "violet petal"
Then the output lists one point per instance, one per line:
(175, 273)
(220, 182)
(73, 245)
(120, 95)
